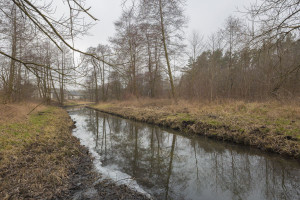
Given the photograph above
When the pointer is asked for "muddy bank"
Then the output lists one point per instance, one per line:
(40, 159)
(85, 183)
(258, 136)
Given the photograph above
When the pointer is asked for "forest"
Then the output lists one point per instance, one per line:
(156, 111)
(251, 58)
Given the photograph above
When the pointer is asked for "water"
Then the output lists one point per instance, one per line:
(167, 165)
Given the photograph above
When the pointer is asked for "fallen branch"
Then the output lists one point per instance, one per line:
(35, 108)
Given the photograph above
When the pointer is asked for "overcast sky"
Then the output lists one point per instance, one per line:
(205, 17)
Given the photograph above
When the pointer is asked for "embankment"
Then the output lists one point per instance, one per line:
(268, 126)
(37, 152)
(40, 159)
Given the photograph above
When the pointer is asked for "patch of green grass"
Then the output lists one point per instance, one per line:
(280, 130)
(44, 142)
(214, 122)
(185, 117)
(70, 103)
(265, 130)
(281, 122)
(293, 132)
(263, 110)
(103, 106)
(14, 135)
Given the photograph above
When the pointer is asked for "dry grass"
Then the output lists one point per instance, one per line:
(279, 117)
(76, 103)
(17, 112)
(255, 123)
(35, 152)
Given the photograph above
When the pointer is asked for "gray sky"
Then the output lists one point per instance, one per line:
(205, 17)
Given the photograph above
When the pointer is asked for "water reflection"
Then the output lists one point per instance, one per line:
(171, 166)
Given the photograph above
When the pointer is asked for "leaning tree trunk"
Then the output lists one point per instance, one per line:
(166, 50)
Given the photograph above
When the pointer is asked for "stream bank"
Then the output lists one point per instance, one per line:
(166, 164)
(263, 126)
(41, 159)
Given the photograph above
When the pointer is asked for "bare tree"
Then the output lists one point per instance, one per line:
(40, 19)
(277, 19)
(196, 45)
(232, 34)
(170, 19)
(127, 45)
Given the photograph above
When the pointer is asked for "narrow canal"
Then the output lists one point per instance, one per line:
(167, 165)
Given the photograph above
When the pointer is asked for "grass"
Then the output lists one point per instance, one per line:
(35, 151)
(284, 119)
(76, 103)
(255, 123)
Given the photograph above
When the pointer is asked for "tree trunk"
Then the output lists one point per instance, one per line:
(166, 50)
(150, 69)
(62, 95)
(13, 55)
(103, 81)
(96, 84)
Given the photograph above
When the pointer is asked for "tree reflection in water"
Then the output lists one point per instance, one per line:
(170, 166)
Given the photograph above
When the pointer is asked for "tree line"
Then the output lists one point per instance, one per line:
(254, 57)
(148, 34)
(250, 58)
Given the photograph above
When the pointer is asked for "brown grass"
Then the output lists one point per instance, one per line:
(76, 103)
(271, 126)
(17, 112)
